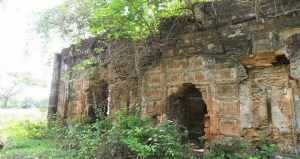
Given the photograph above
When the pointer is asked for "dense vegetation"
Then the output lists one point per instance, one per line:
(133, 19)
(128, 135)
(125, 136)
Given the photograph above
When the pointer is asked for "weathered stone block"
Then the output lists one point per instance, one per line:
(199, 76)
(153, 107)
(196, 62)
(246, 105)
(153, 93)
(153, 79)
(293, 50)
(177, 64)
(297, 112)
(226, 74)
(230, 108)
(227, 90)
(177, 77)
(229, 127)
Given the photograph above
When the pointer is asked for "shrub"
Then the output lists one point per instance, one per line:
(237, 148)
(27, 129)
(132, 135)
(265, 148)
(82, 137)
(126, 135)
(228, 148)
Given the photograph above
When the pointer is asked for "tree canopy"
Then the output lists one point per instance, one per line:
(133, 19)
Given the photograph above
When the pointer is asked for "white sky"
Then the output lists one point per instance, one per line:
(21, 50)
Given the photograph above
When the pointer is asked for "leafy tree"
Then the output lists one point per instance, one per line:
(131, 18)
(68, 19)
(9, 88)
(134, 19)
(12, 83)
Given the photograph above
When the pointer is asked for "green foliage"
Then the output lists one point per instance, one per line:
(264, 148)
(236, 148)
(133, 19)
(27, 129)
(69, 19)
(228, 148)
(98, 50)
(82, 139)
(85, 64)
(12, 84)
(146, 140)
(24, 148)
(29, 140)
(126, 135)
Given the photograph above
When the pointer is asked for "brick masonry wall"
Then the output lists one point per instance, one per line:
(217, 83)
(245, 64)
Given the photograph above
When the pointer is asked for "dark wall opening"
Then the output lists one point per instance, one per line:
(98, 101)
(280, 60)
(188, 109)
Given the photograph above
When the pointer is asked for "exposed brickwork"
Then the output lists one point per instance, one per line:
(245, 64)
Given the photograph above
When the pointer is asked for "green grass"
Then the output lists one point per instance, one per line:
(25, 148)
(13, 115)
(22, 139)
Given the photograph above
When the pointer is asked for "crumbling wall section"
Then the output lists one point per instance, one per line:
(85, 67)
(239, 61)
(243, 56)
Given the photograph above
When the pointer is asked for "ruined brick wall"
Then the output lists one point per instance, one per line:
(85, 71)
(242, 56)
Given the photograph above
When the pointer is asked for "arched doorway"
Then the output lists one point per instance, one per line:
(188, 109)
(98, 101)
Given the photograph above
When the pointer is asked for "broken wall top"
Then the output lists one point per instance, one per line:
(224, 30)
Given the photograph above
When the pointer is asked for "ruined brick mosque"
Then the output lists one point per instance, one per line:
(233, 69)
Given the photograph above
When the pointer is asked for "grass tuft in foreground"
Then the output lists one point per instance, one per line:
(29, 140)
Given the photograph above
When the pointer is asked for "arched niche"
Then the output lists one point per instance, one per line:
(188, 109)
(98, 100)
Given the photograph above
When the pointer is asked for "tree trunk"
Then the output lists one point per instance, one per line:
(5, 102)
